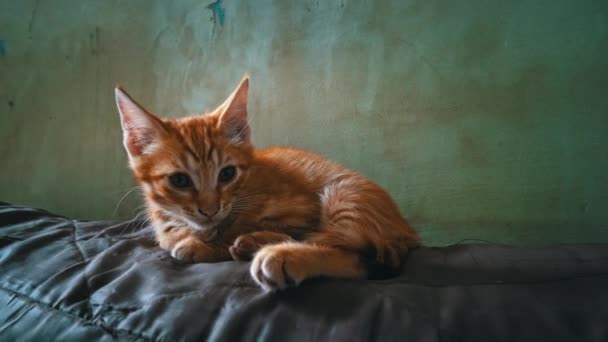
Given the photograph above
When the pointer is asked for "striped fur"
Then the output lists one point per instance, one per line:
(295, 213)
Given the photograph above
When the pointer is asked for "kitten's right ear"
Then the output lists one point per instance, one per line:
(233, 114)
(141, 130)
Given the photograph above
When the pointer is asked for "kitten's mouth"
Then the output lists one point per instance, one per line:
(197, 223)
(209, 230)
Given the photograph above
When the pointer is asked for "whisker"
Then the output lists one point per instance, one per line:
(134, 221)
(123, 197)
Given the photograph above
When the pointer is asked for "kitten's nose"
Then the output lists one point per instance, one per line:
(208, 213)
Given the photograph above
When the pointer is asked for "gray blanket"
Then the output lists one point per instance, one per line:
(68, 280)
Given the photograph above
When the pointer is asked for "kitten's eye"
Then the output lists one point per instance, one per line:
(180, 180)
(226, 174)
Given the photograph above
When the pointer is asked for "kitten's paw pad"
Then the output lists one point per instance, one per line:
(190, 250)
(244, 248)
(274, 269)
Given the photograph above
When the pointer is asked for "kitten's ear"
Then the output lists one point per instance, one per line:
(141, 130)
(233, 114)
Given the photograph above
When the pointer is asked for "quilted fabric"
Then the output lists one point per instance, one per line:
(69, 280)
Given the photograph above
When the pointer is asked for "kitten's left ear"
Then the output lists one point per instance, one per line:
(233, 114)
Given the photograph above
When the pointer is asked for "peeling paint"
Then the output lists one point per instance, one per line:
(2, 48)
(219, 13)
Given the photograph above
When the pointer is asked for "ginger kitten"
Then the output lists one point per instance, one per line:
(212, 197)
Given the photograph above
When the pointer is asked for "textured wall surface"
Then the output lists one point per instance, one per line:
(484, 119)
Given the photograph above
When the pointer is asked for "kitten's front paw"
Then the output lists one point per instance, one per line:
(244, 248)
(190, 250)
(273, 268)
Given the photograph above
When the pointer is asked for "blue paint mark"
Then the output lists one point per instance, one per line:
(219, 12)
(2, 48)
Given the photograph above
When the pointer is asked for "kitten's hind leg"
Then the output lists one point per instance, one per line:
(283, 265)
(246, 245)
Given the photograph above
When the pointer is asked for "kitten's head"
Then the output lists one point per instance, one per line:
(190, 168)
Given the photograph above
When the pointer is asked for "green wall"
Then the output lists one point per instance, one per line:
(484, 119)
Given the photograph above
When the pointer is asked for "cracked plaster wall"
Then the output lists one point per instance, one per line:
(484, 119)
